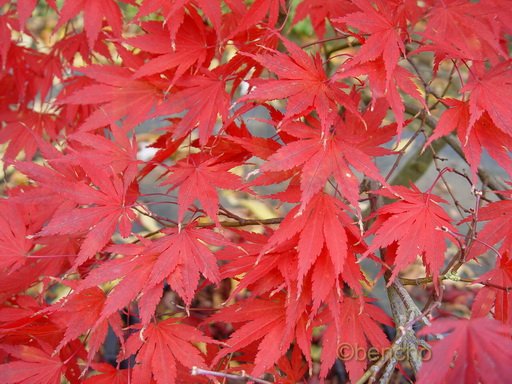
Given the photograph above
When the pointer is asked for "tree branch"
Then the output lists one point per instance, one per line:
(484, 175)
(243, 377)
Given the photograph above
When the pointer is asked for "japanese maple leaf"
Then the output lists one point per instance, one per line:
(320, 157)
(32, 365)
(381, 87)
(174, 12)
(265, 321)
(98, 210)
(323, 222)
(192, 47)
(279, 268)
(291, 370)
(204, 98)
(15, 245)
(198, 177)
(53, 257)
(384, 39)
(417, 223)
(23, 131)
(179, 258)
(498, 215)
(354, 328)
(27, 276)
(497, 293)
(472, 33)
(119, 153)
(245, 66)
(79, 314)
(483, 133)
(244, 140)
(22, 322)
(94, 12)
(182, 256)
(132, 271)
(107, 375)
(257, 14)
(489, 93)
(161, 348)
(264, 275)
(320, 11)
(69, 46)
(302, 82)
(117, 95)
(478, 350)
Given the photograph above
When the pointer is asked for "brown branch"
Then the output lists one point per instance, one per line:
(452, 277)
(405, 341)
(243, 222)
(405, 313)
(244, 377)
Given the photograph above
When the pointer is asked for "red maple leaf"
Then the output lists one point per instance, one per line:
(320, 11)
(183, 256)
(266, 321)
(352, 330)
(381, 87)
(98, 209)
(419, 226)
(279, 268)
(265, 275)
(322, 156)
(291, 370)
(79, 314)
(116, 95)
(22, 322)
(5, 43)
(198, 177)
(107, 375)
(302, 81)
(24, 129)
(193, 47)
(162, 348)
(472, 33)
(32, 366)
(385, 38)
(204, 98)
(489, 93)
(476, 351)
(483, 133)
(323, 223)
(261, 11)
(94, 12)
(175, 11)
(177, 258)
(496, 293)
(498, 215)
(118, 153)
(14, 244)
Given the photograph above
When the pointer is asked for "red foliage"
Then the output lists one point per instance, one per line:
(110, 110)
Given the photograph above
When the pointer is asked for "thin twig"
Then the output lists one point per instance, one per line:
(483, 174)
(243, 223)
(402, 151)
(452, 277)
(242, 377)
